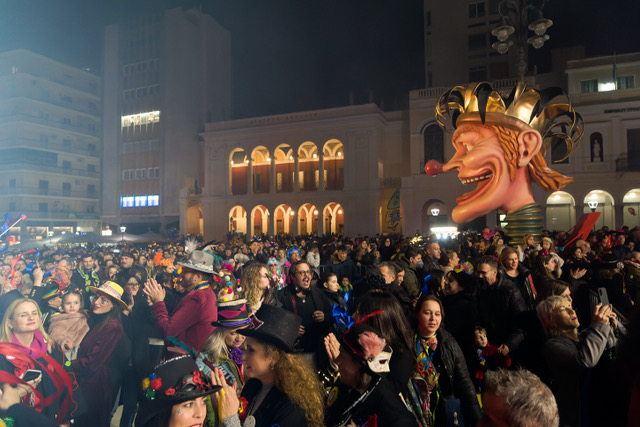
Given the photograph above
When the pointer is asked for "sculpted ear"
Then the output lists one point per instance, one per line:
(529, 143)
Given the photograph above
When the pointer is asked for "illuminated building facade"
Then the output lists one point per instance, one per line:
(324, 171)
(165, 75)
(50, 144)
(272, 174)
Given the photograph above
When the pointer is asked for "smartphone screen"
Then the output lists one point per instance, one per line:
(31, 374)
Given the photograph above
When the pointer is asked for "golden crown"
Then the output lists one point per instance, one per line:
(523, 108)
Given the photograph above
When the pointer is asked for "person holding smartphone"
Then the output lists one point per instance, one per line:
(570, 354)
(22, 324)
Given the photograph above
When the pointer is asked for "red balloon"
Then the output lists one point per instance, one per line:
(433, 167)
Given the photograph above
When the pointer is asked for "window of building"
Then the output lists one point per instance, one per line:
(625, 82)
(125, 175)
(477, 41)
(156, 172)
(43, 207)
(12, 206)
(12, 183)
(91, 189)
(66, 98)
(66, 188)
(91, 148)
(66, 164)
(43, 186)
(589, 86)
(478, 74)
(633, 149)
(66, 121)
(91, 168)
(137, 119)
(93, 106)
(66, 143)
(433, 140)
(301, 180)
(126, 202)
(476, 10)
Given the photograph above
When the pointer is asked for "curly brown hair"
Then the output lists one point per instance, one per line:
(296, 379)
(250, 283)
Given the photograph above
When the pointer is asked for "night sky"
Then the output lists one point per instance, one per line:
(293, 55)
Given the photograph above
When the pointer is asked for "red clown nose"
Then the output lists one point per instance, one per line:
(433, 167)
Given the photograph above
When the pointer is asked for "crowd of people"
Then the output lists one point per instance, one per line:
(476, 329)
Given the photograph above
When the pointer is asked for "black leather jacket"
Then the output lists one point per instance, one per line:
(454, 380)
(499, 310)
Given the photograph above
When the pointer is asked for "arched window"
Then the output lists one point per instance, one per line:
(433, 144)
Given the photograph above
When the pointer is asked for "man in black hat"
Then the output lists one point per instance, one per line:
(311, 304)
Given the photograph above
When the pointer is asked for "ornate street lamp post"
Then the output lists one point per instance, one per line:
(518, 17)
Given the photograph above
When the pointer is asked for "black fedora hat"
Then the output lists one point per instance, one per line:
(172, 382)
(274, 325)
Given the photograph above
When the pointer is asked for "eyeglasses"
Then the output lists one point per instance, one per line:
(304, 273)
(134, 284)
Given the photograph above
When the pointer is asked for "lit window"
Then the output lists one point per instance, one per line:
(142, 118)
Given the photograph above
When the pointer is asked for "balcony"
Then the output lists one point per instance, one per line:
(53, 146)
(67, 215)
(17, 117)
(34, 94)
(31, 167)
(36, 191)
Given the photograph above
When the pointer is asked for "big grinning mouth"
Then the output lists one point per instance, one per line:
(476, 179)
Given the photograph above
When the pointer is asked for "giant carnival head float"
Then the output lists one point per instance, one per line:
(500, 144)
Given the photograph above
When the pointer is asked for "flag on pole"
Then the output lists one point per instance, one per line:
(615, 71)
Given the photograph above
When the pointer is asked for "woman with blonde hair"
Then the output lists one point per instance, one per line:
(224, 347)
(281, 389)
(21, 324)
(255, 282)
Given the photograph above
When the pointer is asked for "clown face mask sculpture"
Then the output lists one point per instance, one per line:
(499, 145)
